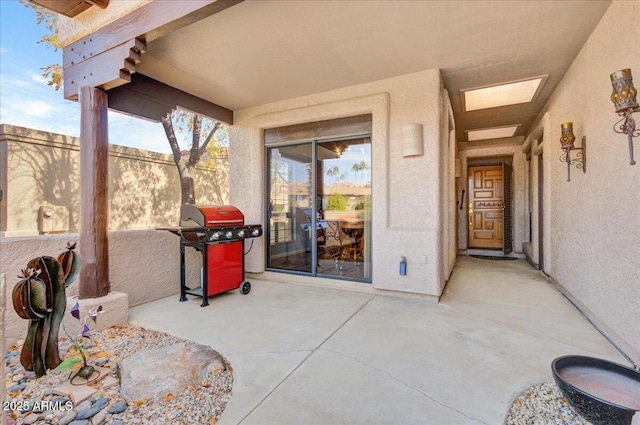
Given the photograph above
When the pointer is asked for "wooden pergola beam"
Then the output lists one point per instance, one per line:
(107, 57)
(151, 99)
(106, 70)
(70, 8)
(147, 23)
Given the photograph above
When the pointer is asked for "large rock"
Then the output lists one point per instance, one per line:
(169, 370)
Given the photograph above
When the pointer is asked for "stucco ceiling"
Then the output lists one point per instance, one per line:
(263, 51)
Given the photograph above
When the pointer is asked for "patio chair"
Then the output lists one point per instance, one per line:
(348, 245)
(331, 247)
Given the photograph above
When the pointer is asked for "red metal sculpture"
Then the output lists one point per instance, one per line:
(40, 297)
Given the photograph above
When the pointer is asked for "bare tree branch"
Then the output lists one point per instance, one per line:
(194, 155)
(171, 136)
(203, 148)
(186, 161)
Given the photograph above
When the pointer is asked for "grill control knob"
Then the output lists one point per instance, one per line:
(241, 234)
(255, 232)
(215, 236)
(229, 234)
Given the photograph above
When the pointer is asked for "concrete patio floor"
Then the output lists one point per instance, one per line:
(309, 355)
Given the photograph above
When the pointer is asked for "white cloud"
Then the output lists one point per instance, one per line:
(17, 83)
(28, 103)
(67, 126)
(3, 50)
(137, 133)
(38, 78)
(36, 108)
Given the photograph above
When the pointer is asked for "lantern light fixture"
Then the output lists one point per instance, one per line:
(626, 103)
(567, 140)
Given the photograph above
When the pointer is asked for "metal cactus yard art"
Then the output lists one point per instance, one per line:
(40, 297)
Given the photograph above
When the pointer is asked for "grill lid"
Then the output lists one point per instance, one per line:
(210, 216)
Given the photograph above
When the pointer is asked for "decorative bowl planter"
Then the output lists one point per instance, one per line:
(603, 392)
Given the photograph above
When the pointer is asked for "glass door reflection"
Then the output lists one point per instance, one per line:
(328, 234)
(290, 208)
(344, 203)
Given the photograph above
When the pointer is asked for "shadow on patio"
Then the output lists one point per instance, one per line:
(311, 355)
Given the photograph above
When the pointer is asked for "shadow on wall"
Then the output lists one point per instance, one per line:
(142, 194)
(40, 174)
(144, 187)
(212, 181)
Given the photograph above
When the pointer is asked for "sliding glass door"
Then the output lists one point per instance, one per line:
(319, 208)
(290, 208)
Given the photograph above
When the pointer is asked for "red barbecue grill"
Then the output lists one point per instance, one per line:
(218, 232)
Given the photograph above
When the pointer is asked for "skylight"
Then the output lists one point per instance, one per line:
(492, 133)
(513, 93)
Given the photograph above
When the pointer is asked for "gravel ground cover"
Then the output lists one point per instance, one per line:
(197, 405)
(543, 404)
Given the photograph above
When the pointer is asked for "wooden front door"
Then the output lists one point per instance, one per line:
(486, 222)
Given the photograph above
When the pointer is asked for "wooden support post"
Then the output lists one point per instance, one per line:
(94, 200)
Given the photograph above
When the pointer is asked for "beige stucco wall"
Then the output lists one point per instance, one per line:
(446, 226)
(39, 168)
(534, 144)
(450, 246)
(406, 192)
(144, 264)
(43, 169)
(593, 232)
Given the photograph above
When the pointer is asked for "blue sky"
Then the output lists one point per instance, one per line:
(27, 101)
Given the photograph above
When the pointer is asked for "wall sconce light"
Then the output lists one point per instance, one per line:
(412, 141)
(566, 141)
(624, 99)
